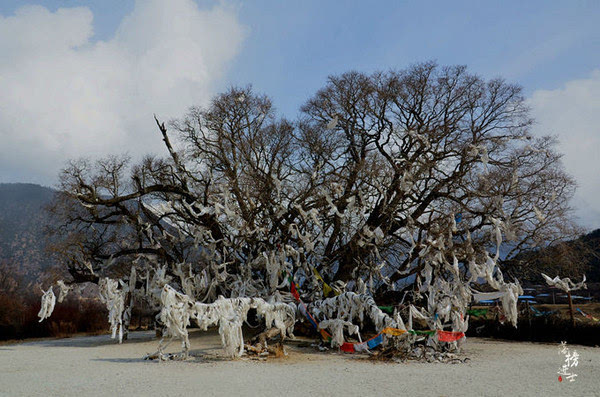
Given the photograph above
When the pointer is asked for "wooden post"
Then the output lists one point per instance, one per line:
(529, 318)
(126, 316)
(571, 309)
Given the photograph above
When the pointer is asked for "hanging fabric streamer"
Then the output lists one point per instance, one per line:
(376, 341)
(477, 312)
(327, 290)
(325, 335)
(387, 309)
(312, 320)
(361, 347)
(540, 313)
(351, 347)
(587, 315)
(393, 331)
(428, 332)
(347, 347)
(294, 291)
(481, 296)
(449, 336)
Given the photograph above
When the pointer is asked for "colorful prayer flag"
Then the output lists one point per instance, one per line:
(325, 335)
(387, 309)
(374, 342)
(393, 331)
(448, 336)
(347, 347)
(477, 312)
(295, 293)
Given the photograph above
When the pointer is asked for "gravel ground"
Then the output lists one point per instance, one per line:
(96, 366)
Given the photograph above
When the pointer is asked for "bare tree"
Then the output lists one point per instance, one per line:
(400, 177)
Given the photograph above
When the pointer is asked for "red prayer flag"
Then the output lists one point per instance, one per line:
(295, 293)
(347, 347)
(448, 336)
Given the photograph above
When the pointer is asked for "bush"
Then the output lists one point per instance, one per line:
(19, 320)
(551, 328)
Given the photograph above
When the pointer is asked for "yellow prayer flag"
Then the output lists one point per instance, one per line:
(393, 331)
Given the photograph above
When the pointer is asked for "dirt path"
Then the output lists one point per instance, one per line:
(94, 366)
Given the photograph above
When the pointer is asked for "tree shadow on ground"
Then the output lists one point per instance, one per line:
(95, 341)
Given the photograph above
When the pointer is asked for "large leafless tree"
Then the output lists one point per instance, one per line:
(397, 177)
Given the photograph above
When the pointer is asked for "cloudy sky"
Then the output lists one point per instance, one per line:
(83, 78)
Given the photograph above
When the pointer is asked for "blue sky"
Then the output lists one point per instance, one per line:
(287, 49)
(292, 46)
(291, 49)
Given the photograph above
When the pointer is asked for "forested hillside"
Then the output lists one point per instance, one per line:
(567, 259)
(22, 225)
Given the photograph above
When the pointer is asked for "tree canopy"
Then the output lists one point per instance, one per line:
(384, 180)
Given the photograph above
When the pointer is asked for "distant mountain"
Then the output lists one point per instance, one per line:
(571, 258)
(592, 242)
(22, 224)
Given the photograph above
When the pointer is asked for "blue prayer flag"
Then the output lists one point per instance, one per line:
(375, 341)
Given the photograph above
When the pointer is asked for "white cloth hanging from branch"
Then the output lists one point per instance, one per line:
(564, 284)
(48, 302)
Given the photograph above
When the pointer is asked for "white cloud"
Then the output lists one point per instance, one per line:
(573, 114)
(64, 95)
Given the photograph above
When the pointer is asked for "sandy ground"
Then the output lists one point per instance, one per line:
(96, 366)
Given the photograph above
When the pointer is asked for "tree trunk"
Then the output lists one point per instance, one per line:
(127, 316)
(264, 336)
